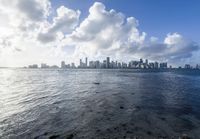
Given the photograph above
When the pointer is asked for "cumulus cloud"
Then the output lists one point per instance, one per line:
(28, 29)
(105, 32)
(65, 22)
(23, 18)
(110, 33)
(174, 48)
(35, 10)
(173, 39)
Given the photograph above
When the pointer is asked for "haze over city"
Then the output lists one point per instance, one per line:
(37, 31)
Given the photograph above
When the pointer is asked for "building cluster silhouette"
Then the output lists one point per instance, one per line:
(108, 64)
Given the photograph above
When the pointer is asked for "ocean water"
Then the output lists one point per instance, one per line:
(86, 104)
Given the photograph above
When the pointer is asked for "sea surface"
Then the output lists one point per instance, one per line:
(97, 104)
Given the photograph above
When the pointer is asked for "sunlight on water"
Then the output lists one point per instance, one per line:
(90, 103)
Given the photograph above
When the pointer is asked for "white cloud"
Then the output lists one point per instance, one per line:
(109, 33)
(105, 33)
(173, 39)
(35, 10)
(65, 22)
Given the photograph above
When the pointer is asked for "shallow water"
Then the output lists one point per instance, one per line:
(98, 104)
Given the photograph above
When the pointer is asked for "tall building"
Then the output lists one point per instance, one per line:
(124, 65)
(97, 64)
(141, 61)
(156, 65)
(108, 62)
(152, 65)
(187, 66)
(146, 62)
(86, 62)
(73, 65)
(34, 66)
(81, 63)
(119, 65)
(163, 65)
(63, 64)
(104, 64)
(43, 65)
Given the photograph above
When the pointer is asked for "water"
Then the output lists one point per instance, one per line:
(98, 104)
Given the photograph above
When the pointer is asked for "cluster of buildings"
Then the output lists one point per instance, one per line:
(43, 66)
(188, 66)
(108, 64)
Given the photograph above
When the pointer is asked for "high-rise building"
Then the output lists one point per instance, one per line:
(124, 65)
(151, 65)
(119, 65)
(187, 66)
(163, 65)
(86, 62)
(97, 64)
(73, 65)
(197, 66)
(141, 61)
(108, 62)
(156, 65)
(146, 62)
(43, 65)
(81, 63)
(104, 64)
(63, 64)
(34, 66)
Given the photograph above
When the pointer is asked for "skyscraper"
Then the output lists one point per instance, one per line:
(86, 62)
(73, 65)
(141, 61)
(146, 62)
(108, 62)
(104, 64)
(81, 64)
(63, 64)
(163, 65)
(43, 65)
(187, 66)
(156, 65)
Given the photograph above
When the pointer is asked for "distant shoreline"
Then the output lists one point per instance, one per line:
(112, 69)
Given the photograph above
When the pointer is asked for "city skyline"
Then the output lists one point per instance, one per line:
(50, 31)
(109, 63)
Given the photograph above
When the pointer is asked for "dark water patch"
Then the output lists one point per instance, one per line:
(70, 136)
(54, 137)
(149, 132)
(45, 134)
(163, 118)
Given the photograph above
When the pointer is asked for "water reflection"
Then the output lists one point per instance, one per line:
(97, 103)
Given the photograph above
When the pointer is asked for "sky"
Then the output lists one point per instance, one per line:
(49, 31)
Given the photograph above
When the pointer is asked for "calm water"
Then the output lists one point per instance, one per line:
(98, 104)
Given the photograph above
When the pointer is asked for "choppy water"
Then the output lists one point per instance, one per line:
(98, 104)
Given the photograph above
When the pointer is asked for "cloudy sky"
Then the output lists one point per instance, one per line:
(48, 31)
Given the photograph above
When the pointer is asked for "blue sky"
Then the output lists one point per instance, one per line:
(156, 17)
